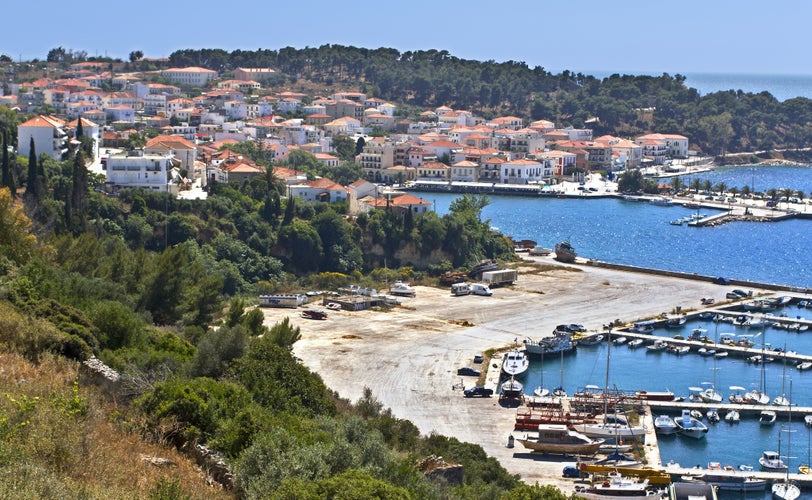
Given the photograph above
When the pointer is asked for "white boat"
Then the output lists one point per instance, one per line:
(711, 395)
(590, 340)
(732, 417)
(664, 425)
(703, 351)
(679, 349)
(771, 461)
(737, 397)
(557, 438)
(402, 289)
(804, 366)
(541, 392)
(675, 320)
(732, 482)
(634, 344)
(767, 417)
(690, 426)
(617, 486)
(512, 388)
(785, 489)
(808, 420)
(658, 346)
(721, 354)
(515, 363)
(619, 340)
(713, 415)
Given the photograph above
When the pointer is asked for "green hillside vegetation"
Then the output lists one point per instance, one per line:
(716, 123)
(162, 290)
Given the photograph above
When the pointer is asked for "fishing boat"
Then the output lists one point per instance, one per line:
(515, 363)
(558, 438)
(665, 425)
(771, 461)
(643, 326)
(732, 417)
(658, 346)
(767, 417)
(690, 426)
(732, 482)
(564, 252)
(614, 486)
(559, 342)
(590, 340)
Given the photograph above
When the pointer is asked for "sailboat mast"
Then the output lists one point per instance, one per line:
(606, 387)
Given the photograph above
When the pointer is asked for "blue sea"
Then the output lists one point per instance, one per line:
(638, 233)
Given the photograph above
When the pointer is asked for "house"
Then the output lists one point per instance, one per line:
(89, 129)
(444, 148)
(49, 136)
(658, 146)
(327, 159)
(434, 171)
(377, 155)
(563, 162)
(525, 172)
(137, 169)
(465, 171)
(257, 74)
(182, 150)
(359, 190)
(322, 189)
(191, 76)
(120, 114)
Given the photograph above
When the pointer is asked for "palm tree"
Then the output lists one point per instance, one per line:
(706, 186)
(787, 193)
(721, 187)
(733, 191)
(800, 194)
(745, 190)
(696, 184)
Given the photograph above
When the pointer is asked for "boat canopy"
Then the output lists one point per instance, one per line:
(695, 389)
(737, 388)
(591, 387)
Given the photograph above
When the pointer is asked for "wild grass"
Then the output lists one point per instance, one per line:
(59, 439)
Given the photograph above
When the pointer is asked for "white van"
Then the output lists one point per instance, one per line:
(480, 289)
(460, 289)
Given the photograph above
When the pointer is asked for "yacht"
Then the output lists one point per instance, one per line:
(558, 438)
(516, 363)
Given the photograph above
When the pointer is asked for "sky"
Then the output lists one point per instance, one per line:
(588, 36)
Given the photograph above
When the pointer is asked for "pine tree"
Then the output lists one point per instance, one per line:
(31, 193)
(8, 177)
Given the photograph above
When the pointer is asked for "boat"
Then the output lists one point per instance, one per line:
(770, 461)
(697, 414)
(732, 482)
(732, 417)
(541, 392)
(713, 415)
(620, 340)
(314, 314)
(590, 340)
(690, 426)
(785, 489)
(482, 267)
(558, 438)
(711, 395)
(722, 354)
(783, 400)
(618, 459)
(615, 485)
(643, 326)
(679, 349)
(333, 306)
(559, 342)
(665, 425)
(512, 388)
(402, 289)
(806, 365)
(564, 252)
(657, 346)
(702, 351)
(515, 363)
(767, 417)
(758, 396)
(661, 201)
(675, 320)
(737, 397)
(808, 420)
(634, 344)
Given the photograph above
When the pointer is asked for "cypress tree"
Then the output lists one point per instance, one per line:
(79, 193)
(290, 211)
(80, 131)
(8, 177)
(31, 183)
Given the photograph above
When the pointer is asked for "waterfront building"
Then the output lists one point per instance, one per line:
(658, 147)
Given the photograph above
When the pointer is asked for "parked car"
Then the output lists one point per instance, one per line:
(478, 391)
(467, 370)
(722, 280)
(571, 471)
(478, 358)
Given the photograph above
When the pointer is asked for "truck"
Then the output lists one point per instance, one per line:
(481, 289)
(500, 277)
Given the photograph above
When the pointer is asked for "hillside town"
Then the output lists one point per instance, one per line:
(187, 122)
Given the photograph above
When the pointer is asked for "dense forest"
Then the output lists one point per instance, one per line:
(716, 123)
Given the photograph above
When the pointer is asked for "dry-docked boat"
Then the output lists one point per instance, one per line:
(557, 438)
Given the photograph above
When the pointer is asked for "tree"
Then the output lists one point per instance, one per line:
(8, 177)
(77, 217)
(290, 211)
(80, 130)
(31, 193)
(696, 184)
(16, 241)
(344, 147)
(359, 145)
(136, 55)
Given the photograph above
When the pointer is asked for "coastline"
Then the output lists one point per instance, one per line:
(408, 356)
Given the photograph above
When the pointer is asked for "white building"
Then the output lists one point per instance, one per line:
(135, 169)
(49, 137)
(525, 172)
(192, 76)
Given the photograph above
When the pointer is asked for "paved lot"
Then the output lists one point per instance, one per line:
(408, 356)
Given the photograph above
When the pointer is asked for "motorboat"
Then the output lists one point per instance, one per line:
(733, 482)
(658, 346)
(512, 388)
(713, 415)
(767, 417)
(675, 320)
(634, 344)
(679, 349)
(643, 326)
(402, 289)
(806, 365)
(590, 340)
(665, 425)
(721, 354)
(732, 417)
(703, 351)
(515, 363)
(558, 438)
(737, 397)
(560, 342)
(615, 485)
(697, 414)
(808, 420)
(690, 426)
(771, 461)
(711, 395)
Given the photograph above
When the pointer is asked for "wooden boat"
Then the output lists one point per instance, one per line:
(564, 252)
(559, 439)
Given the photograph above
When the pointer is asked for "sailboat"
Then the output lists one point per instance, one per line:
(611, 427)
(540, 391)
(786, 489)
(782, 400)
(559, 391)
(759, 397)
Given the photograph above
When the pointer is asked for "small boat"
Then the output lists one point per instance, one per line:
(512, 388)
(314, 314)
(619, 340)
(658, 345)
(618, 459)
(697, 414)
(634, 344)
(690, 426)
(804, 469)
(616, 486)
(737, 397)
(771, 461)
(679, 349)
(756, 397)
(731, 482)
(643, 326)
(702, 351)
(665, 425)
(722, 354)
(711, 395)
(808, 420)
(713, 415)
(786, 490)
(541, 392)
(732, 417)
(557, 438)
(590, 340)
(564, 252)
(804, 366)
(675, 320)
(515, 363)
(402, 289)
(767, 417)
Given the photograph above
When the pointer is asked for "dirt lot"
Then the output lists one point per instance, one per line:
(408, 356)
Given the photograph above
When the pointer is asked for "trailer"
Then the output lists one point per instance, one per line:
(500, 277)
(282, 300)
